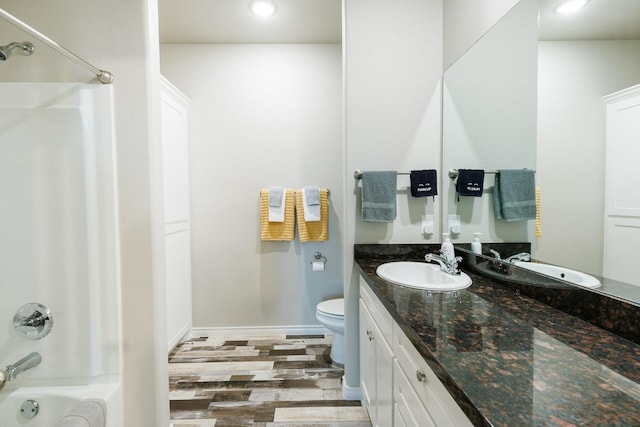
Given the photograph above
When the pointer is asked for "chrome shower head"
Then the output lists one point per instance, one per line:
(25, 48)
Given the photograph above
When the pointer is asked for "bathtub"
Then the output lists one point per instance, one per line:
(60, 246)
(55, 402)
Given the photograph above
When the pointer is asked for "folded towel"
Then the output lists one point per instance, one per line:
(538, 213)
(470, 182)
(514, 195)
(87, 413)
(277, 231)
(314, 231)
(311, 203)
(379, 196)
(424, 183)
(277, 204)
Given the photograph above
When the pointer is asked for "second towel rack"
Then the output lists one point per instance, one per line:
(358, 174)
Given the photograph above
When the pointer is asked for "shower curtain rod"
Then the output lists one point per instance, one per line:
(104, 76)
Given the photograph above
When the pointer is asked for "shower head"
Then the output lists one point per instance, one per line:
(25, 48)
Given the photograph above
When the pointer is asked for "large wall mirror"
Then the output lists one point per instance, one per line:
(528, 94)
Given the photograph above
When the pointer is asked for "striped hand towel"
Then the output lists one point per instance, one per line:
(313, 231)
(277, 231)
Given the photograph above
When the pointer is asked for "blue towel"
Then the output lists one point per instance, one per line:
(470, 182)
(379, 196)
(424, 183)
(514, 194)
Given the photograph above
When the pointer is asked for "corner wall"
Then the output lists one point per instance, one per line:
(393, 71)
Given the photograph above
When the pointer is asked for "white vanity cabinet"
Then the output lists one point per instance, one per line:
(398, 387)
(431, 396)
(376, 359)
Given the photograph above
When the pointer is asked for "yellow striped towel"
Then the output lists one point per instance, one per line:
(314, 231)
(277, 231)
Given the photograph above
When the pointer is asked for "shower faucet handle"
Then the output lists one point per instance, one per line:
(33, 321)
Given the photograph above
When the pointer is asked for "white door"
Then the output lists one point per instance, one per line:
(622, 211)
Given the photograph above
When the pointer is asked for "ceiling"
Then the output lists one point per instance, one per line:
(230, 21)
(320, 21)
(598, 20)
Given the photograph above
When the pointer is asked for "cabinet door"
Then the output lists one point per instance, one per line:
(384, 382)
(408, 408)
(367, 362)
(622, 212)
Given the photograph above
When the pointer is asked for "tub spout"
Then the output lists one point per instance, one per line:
(12, 371)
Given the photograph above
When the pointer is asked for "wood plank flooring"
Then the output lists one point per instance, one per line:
(260, 381)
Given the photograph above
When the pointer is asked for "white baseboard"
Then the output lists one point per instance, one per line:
(351, 393)
(260, 330)
(183, 334)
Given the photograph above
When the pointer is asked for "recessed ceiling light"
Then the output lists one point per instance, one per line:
(570, 6)
(263, 8)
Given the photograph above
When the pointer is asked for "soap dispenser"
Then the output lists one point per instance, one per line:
(476, 246)
(446, 249)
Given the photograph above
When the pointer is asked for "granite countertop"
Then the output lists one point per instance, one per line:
(507, 359)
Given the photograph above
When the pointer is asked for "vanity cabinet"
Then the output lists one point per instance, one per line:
(376, 360)
(398, 387)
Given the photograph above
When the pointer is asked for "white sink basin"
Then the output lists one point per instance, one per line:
(422, 275)
(562, 273)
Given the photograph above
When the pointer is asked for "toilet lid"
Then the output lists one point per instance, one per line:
(334, 307)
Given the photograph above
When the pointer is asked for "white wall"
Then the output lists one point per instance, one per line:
(121, 36)
(573, 78)
(393, 72)
(466, 21)
(261, 115)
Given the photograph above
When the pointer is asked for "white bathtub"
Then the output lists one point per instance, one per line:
(55, 402)
(60, 245)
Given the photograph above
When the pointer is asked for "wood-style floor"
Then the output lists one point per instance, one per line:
(261, 381)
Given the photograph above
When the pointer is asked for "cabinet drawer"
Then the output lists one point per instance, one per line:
(408, 409)
(380, 315)
(441, 406)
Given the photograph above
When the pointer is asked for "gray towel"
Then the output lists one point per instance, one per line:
(276, 194)
(379, 196)
(514, 194)
(87, 413)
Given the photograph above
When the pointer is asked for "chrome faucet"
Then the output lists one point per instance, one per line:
(522, 256)
(12, 371)
(447, 265)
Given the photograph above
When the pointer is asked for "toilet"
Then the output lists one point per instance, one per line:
(331, 314)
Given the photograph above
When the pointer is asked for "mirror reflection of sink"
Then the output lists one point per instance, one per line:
(562, 273)
(422, 275)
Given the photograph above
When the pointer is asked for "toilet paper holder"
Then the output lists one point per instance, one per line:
(319, 257)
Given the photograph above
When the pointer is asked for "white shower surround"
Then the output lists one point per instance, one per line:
(59, 240)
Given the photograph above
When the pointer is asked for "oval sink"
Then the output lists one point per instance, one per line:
(562, 273)
(422, 275)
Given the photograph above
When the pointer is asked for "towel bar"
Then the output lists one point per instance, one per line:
(453, 173)
(358, 174)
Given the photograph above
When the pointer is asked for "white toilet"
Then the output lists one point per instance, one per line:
(331, 314)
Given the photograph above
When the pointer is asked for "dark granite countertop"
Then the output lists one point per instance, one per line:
(507, 359)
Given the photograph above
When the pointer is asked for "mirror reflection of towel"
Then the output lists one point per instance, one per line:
(424, 183)
(470, 182)
(514, 194)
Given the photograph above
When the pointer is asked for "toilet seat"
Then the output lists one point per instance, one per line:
(332, 308)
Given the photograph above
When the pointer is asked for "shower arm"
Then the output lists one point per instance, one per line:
(104, 76)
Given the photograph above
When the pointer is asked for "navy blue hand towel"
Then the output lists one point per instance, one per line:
(424, 183)
(470, 182)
